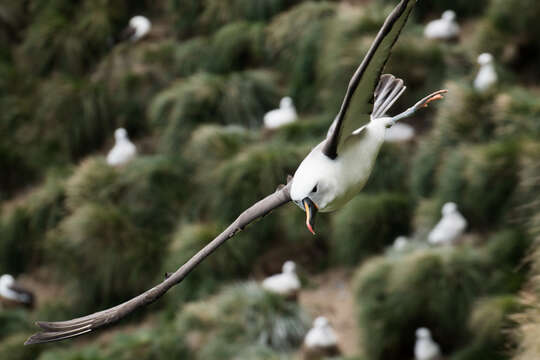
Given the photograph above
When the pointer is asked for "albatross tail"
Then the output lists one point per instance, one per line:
(387, 93)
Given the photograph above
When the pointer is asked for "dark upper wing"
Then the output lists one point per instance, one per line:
(54, 331)
(127, 33)
(367, 76)
(26, 294)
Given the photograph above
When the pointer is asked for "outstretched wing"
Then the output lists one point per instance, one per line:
(54, 331)
(367, 76)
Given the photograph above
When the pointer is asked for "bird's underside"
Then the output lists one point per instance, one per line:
(365, 78)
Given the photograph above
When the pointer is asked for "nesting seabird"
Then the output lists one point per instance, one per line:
(285, 283)
(425, 348)
(451, 226)
(331, 174)
(286, 114)
(400, 243)
(445, 28)
(139, 26)
(487, 76)
(321, 341)
(13, 294)
(123, 151)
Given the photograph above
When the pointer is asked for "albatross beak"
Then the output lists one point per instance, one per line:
(311, 211)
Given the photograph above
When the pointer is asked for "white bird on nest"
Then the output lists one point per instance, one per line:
(139, 26)
(13, 293)
(123, 150)
(400, 243)
(425, 348)
(321, 340)
(286, 114)
(487, 76)
(445, 28)
(330, 175)
(450, 227)
(285, 283)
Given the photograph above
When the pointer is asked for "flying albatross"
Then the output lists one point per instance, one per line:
(332, 173)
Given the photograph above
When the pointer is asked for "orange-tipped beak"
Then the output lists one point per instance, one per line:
(435, 96)
(311, 211)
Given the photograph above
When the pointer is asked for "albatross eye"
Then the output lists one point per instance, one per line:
(314, 189)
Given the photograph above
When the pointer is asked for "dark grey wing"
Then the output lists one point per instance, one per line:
(127, 33)
(25, 295)
(54, 331)
(367, 76)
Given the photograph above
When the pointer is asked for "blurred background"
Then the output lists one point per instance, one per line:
(191, 87)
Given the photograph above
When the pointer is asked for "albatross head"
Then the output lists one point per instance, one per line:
(6, 280)
(320, 322)
(139, 22)
(285, 102)
(423, 333)
(120, 134)
(313, 185)
(485, 59)
(449, 208)
(289, 267)
(449, 15)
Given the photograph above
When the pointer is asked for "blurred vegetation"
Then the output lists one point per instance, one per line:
(192, 96)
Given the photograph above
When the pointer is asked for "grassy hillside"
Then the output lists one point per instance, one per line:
(192, 96)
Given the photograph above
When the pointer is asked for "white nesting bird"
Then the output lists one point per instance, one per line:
(445, 28)
(487, 76)
(285, 283)
(139, 26)
(399, 133)
(321, 340)
(123, 150)
(425, 348)
(400, 243)
(450, 227)
(13, 293)
(286, 114)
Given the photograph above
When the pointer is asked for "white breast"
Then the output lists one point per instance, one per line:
(486, 78)
(426, 349)
(122, 152)
(448, 230)
(355, 163)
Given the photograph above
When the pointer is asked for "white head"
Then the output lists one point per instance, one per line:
(313, 185)
(400, 242)
(285, 102)
(449, 15)
(120, 134)
(289, 267)
(140, 22)
(485, 59)
(449, 208)
(423, 333)
(6, 280)
(320, 322)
